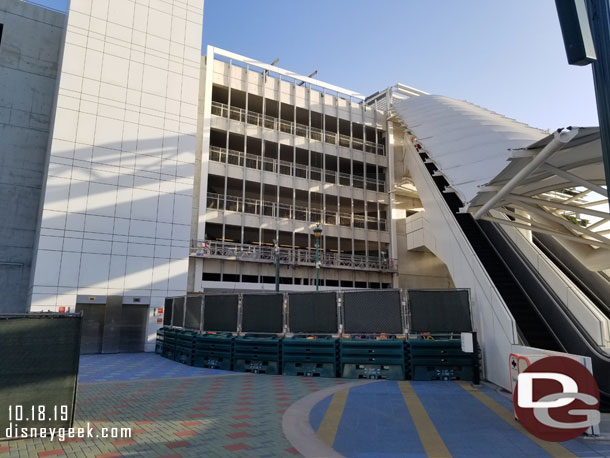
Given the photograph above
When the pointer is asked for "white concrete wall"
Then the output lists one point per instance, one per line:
(29, 54)
(117, 207)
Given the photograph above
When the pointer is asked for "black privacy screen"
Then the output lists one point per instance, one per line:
(313, 313)
(220, 312)
(262, 313)
(40, 355)
(192, 317)
(439, 311)
(372, 312)
(167, 311)
(178, 317)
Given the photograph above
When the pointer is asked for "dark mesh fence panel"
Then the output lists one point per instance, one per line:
(372, 312)
(313, 313)
(262, 313)
(167, 311)
(178, 317)
(438, 311)
(39, 355)
(220, 312)
(193, 313)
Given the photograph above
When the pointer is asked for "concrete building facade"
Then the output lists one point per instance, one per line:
(30, 44)
(280, 154)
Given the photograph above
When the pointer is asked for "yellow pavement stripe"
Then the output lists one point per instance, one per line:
(553, 448)
(330, 423)
(428, 435)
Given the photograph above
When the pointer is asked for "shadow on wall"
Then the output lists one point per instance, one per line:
(124, 216)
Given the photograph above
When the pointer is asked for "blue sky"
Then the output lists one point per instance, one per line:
(505, 56)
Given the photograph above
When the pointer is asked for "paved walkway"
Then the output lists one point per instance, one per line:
(180, 411)
(439, 419)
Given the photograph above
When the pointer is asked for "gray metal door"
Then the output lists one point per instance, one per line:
(93, 327)
(133, 328)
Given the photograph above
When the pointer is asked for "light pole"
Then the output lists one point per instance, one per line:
(317, 232)
(276, 252)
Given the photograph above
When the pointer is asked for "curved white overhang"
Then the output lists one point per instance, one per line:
(550, 183)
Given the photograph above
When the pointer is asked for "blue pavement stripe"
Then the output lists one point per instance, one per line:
(581, 447)
(376, 423)
(135, 366)
(468, 427)
(317, 413)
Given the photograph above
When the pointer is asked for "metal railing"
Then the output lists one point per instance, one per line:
(294, 128)
(294, 256)
(254, 161)
(295, 212)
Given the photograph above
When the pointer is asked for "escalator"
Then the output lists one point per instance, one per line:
(542, 320)
(593, 284)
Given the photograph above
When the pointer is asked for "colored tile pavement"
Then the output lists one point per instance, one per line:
(180, 411)
(409, 419)
(175, 410)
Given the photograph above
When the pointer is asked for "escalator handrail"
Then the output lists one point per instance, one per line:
(559, 304)
(581, 285)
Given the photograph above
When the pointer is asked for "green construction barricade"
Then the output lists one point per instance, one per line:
(441, 360)
(185, 341)
(169, 343)
(372, 359)
(310, 357)
(259, 355)
(214, 351)
(160, 340)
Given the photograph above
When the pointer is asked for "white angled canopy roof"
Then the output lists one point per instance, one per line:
(498, 164)
(469, 144)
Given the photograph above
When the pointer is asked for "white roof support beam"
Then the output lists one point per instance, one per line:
(575, 179)
(563, 222)
(524, 220)
(601, 222)
(553, 204)
(537, 229)
(593, 204)
(577, 196)
(560, 139)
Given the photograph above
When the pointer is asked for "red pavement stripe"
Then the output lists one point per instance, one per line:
(243, 409)
(66, 441)
(241, 417)
(240, 425)
(138, 431)
(108, 455)
(51, 453)
(4, 449)
(188, 432)
(292, 450)
(235, 447)
(177, 444)
(191, 423)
